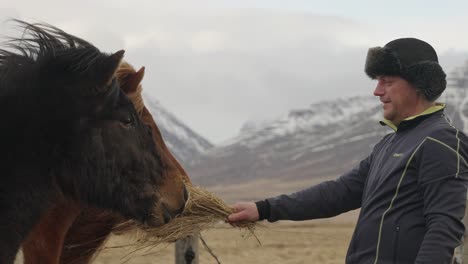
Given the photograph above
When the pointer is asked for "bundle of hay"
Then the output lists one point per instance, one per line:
(203, 211)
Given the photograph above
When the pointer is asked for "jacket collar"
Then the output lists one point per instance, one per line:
(412, 119)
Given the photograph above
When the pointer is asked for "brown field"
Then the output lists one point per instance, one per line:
(286, 242)
(323, 242)
(317, 241)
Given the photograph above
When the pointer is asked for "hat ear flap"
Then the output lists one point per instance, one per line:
(428, 77)
(382, 61)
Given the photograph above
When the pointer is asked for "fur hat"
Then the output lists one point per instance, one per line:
(412, 59)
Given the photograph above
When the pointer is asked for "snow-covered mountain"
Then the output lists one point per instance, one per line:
(457, 97)
(183, 142)
(323, 140)
(305, 121)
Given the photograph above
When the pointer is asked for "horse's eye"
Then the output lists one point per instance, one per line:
(127, 121)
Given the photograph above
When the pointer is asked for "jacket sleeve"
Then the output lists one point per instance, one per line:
(443, 175)
(326, 199)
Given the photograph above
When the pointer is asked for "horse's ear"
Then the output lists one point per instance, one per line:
(111, 66)
(134, 80)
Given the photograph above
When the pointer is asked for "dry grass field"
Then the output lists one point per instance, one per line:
(319, 241)
(286, 242)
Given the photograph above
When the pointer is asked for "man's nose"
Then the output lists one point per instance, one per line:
(379, 91)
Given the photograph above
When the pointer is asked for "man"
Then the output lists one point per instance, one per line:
(412, 188)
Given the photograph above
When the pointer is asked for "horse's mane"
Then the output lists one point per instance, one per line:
(126, 68)
(45, 69)
(42, 41)
(47, 75)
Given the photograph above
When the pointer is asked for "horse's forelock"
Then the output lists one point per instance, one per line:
(137, 99)
(126, 69)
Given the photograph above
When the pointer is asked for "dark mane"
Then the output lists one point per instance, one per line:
(42, 51)
(49, 78)
(41, 41)
(40, 69)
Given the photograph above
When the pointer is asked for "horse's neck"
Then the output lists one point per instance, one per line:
(44, 244)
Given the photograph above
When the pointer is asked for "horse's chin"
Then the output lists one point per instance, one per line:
(162, 214)
(153, 223)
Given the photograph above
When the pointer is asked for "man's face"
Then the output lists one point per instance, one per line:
(399, 98)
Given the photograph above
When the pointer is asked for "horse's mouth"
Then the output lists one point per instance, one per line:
(166, 214)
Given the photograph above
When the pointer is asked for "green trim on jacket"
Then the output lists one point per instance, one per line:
(428, 111)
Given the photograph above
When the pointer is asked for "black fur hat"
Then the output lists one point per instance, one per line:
(412, 59)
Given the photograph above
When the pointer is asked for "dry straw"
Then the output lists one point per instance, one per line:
(203, 211)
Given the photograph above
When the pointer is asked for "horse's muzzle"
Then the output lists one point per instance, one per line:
(169, 214)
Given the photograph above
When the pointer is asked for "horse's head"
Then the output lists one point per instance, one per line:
(91, 138)
(130, 82)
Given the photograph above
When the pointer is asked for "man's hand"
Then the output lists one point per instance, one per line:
(244, 212)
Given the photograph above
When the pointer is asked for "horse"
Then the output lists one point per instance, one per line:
(71, 234)
(72, 135)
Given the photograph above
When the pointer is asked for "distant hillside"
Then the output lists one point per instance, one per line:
(184, 143)
(319, 142)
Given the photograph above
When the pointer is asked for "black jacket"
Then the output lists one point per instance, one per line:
(411, 190)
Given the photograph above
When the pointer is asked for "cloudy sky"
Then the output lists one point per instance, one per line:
(217, 63)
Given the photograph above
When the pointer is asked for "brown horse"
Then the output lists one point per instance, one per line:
(71, 135)
(72, 233)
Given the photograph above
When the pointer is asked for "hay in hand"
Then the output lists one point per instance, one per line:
(202, 211)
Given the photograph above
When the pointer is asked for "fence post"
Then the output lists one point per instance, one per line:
(186, 250)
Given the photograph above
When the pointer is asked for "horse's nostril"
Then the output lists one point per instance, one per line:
(169, 214)
(166, 214)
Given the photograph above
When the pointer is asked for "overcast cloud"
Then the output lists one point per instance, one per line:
(217, 64)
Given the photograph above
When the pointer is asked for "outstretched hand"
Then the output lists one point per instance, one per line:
(244, 212)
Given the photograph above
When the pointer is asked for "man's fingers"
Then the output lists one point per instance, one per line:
(242, 212)
(236, 217)
(237, 208)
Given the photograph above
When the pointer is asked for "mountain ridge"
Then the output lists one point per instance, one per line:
(321, 141)
(182, 141)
